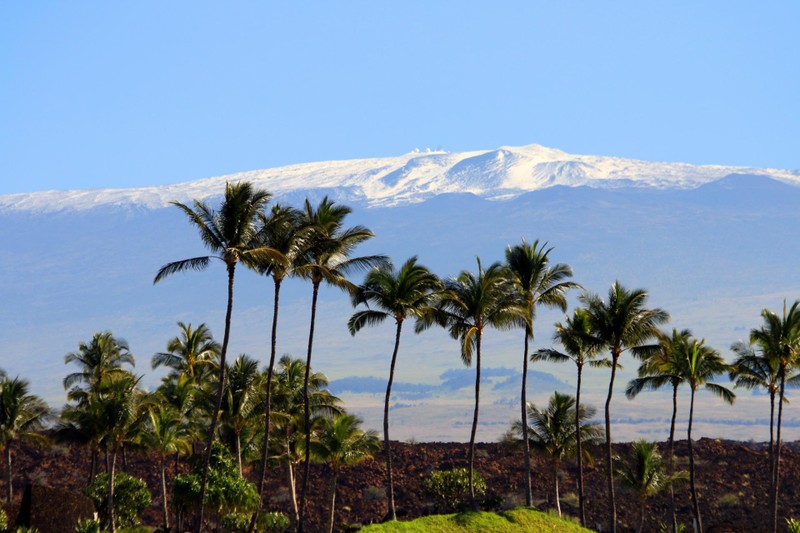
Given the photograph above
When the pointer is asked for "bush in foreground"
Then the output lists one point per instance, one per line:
(514, 521)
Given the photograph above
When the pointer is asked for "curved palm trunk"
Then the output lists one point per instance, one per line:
(9, 488)
(333, 501)
(215, 414)
(581, 501)
(238, 445)
(471, 455)
(307, 410)
(386, 445)
(672, 457)
(111, 518)
(164, 507)
(777, 478)
(555, 487)
(293, 491)
(524, 408)
(612, 501)
(695, 504)
(268, 409)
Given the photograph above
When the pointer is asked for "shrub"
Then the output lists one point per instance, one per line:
(131, 498)
(792, 525)
(450, 488)
(266, 522)
(3, 519)
(274, 522)
(728, 500)
(88, 525)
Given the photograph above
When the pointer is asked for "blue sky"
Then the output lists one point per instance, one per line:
(113, 94)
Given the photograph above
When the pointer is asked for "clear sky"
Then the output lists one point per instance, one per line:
(122, 94)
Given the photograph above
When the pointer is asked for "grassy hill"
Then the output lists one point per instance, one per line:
(519, 519)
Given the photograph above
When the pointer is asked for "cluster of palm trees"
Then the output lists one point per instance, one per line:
(284, 412)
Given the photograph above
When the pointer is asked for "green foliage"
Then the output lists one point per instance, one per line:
(274, 522)
(3, 519)
(792, 525)
(88, 525)
(227, 491)
(450, 488)
(521, 519)
(235, 523)
(131, 498)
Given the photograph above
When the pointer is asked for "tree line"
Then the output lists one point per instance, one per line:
(205, 398)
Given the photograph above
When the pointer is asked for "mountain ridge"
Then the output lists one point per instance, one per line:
(498, 174)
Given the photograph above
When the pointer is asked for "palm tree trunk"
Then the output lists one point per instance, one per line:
(333, 501)
(293, 492)
(93, 466)
(215, 414)
(524, 418)
(238, 446)
(771, 445)
(581, 500)
(612, 502)
(777, 458)
(386, 444)
(268, 409)
(641, 516)
(124, 459)
(672, 457)
(555, 488)
(111, 519)
(9, 488)
(307, 410)
(164, 492)
(471, 455)
(695, 504)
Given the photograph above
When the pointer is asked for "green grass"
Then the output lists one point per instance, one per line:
(519, 519)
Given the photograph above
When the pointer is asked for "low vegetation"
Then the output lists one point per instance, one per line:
(514, 521)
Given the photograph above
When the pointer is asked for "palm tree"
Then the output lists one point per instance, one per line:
(240, 400)
(22, 416)
(281, 232)
(326, 258)
(230, 235)
(621, 323)
(468, 304)
(779, 339)
(644, 474)
(397, 294)
(663, 364)
(339, 443)
(166, 434)
(538, 283)
(702, 365)
(288, 417)
(554, 432)
(120, 408)
(190, 353)
(575, 337)
(103, 356)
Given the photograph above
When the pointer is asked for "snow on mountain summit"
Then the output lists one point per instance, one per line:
(497, 174)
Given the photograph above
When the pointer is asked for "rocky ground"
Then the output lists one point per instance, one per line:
(732, 477)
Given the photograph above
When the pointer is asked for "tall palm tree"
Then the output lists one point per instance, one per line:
(398, 294)
(538, 283)
(554, 432)
(22, 416)
(466, 307)
(663, 364)
(280, 230)
(621, 323)
(327, 258)
(103, 356)
(645, 475)
(341, 442)
(190, 353)
(230, 235)
(703, 364)
(780, 338)
(167, 435)
(580, 348)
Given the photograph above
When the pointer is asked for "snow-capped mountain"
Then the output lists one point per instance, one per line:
(504, 173)
(713, 245)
